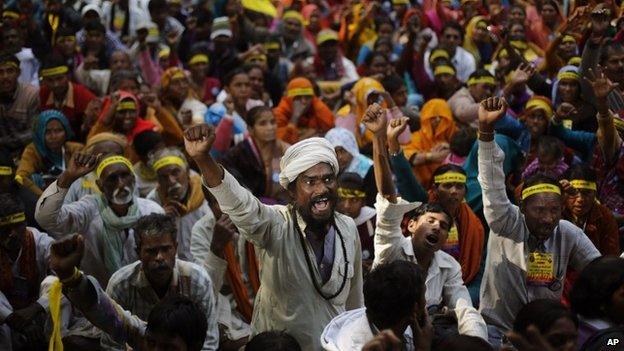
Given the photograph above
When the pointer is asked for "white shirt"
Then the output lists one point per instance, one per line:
(463, 61)
(444, 278)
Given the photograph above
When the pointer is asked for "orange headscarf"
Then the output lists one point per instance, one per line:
(361, 89)
(318, 116)
(425, 139)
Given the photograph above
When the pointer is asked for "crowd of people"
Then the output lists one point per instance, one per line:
(312, 175)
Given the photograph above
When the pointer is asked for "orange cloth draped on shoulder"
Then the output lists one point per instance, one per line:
(427, 137)
(318, 116)
(235, 278)
(471, 240)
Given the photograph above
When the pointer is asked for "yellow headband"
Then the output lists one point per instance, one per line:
(574, 61)
(568, 39)
(167, 161)
(4, 170)
(400, 2)
(126, 105)
(540, 105)
(10, 14)
(540, 188)
(345, 193)
(450, 177)
(484, 80)
(257, 57)
(568, 75)
(436, 54)
(444, 69)
(12, 219)
(583, 184)
(178, 75)
(72, 37)
(54, 71)
(502, 53)
(518, 44)
(619, 124)
(113, 160)
(481, 24)
(272, 45)
(324, 36)
(10, 64)
(153, 31)
(199, 58)
(164, 53)
(293, 15)
(300, 92)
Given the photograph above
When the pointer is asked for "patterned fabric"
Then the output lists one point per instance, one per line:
(27, 264)
(610, 180)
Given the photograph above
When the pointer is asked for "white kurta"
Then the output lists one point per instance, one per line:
(287, 299)
(83, 216)
(185, 225)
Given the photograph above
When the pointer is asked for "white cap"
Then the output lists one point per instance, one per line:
(221, 26)
(91, 7)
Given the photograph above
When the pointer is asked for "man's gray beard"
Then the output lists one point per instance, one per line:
(117, 200)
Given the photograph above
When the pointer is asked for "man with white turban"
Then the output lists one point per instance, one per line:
(310, 255)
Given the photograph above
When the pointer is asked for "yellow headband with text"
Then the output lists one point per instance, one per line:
(167, 161)
(300, 92)
(483, 79)
(450, 177)
(199, 58)
(4, 170)
(540, 188)
(13, 218)
(345, 193)
(126, 105)
(110, 161)
(540, 105)
(54, 71)
(583, 184)
(568, 75)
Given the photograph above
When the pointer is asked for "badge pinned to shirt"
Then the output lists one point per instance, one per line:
(451, 246)
(540, 269)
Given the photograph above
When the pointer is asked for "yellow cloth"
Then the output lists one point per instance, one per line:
(469, 43)
(361, 89)
(56, 343)
(264, 7)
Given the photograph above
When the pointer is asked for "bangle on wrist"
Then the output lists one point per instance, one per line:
(427, 157)
(73, 278)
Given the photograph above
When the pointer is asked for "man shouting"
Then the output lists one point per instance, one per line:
(310, 255)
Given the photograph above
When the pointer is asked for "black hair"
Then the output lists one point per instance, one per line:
(607, 49)
(229, 76)
(369, 58)
(592, 292)
(254, 114)
(447, 168)
(542, 313)
(155, 224)
(10, 204)
(121, 75)
(145, 142)
(582, 172)
(179, 316)
(540, 5)
(431, 207)
(481, 72)
(461, 142)
(273, 340)
(549, 145)
(391, 291)
(157, 5)
(52, 60)
(65, 32)
(381, 20)
(392, 83)
(539, 178)
(5, 158)
(250, 66)
(202, 14)
(95, 25)
(350, 180)
(464, 343)
(382, 41)
(515, 6)
(456, 26)
(8, 57)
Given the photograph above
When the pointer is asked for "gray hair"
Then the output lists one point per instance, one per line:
(165, 152)
(155, 224)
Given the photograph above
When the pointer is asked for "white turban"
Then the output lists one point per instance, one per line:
(304, 155)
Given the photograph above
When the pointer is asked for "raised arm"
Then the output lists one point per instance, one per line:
(408, 186)
(501, 215)
(375, 120)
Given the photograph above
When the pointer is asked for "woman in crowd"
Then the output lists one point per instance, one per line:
(48, 155)
(556, 323)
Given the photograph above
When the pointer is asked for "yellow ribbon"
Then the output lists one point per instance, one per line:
(112, 160)
(54, 71)
(167, 161)
(300, 92)
(540, 105)
(450, 177)
(484, 80)
(440, 53)
(56, 342)
(444, 69)
(293, 15)
(540, 188)
(199, 58)
(345, 193)
(4, 170)
(126, 105)
(13, 218)
(568, 75)
(583, 184)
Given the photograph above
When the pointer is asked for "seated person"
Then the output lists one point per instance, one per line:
(139, 286)
(464, 103)
(24, 257)
(352, 202)
(428, 227)
(46, 157)
(273, 340)
(301, 114)
(394, 298)
(180, 194)
(176, 322)
(549, 159)
(106, 220)
(329, 63)
(8, 185)
(144, 144)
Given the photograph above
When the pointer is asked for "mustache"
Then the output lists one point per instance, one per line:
(330, 196)
(174, 189)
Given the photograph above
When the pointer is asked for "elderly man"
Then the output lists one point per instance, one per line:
(24, 255)
(18, 103)
(179, 193)
(429, 229)
(465, 102)
(139, 286)
(310, 255)
(530, 247)
(106, 220)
